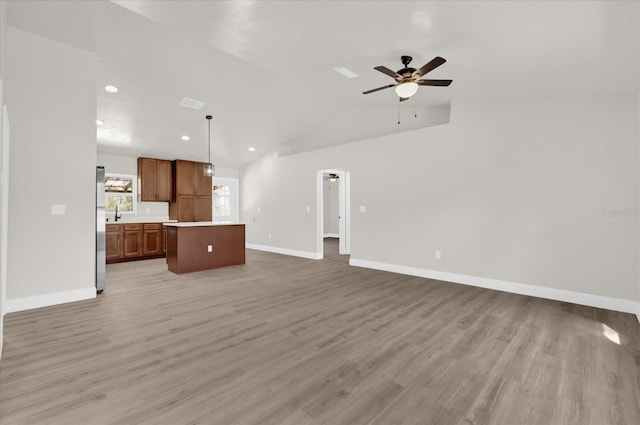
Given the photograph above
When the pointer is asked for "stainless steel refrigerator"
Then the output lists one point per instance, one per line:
(101, 259)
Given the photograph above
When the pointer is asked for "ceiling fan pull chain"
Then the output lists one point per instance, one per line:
(415, 109)
(398, 113)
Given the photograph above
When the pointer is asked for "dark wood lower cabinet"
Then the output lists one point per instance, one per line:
(113, 242)
(135, 241)
(151, 234)
(132, 240)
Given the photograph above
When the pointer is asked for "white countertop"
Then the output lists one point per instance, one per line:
(200, 224)
(140, 220)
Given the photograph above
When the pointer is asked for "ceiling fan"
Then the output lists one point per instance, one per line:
(408, 79)
(331, 176)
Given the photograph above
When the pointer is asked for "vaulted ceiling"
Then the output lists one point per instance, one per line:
(264, 69)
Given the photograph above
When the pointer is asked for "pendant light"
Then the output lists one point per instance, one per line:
(209, 168)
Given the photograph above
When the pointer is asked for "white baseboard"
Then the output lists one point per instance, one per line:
(284, 251)
(609, 303)
(46, 300)
(331, 235)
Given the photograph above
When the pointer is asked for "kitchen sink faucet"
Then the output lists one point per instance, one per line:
(117, 216)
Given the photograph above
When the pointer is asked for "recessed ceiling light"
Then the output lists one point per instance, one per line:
(185, 138)
(251, 149)
(346, 72)
(111, 88)
(99, 122)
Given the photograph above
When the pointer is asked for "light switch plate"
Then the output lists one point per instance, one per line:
(209, 248)
(363, 208)
(58, 209)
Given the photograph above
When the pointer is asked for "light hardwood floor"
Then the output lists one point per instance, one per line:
(289, 341)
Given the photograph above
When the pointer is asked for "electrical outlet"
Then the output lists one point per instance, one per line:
(438, 254)
(209, 248)
(308, 208)
(363, 209)
(269, 236)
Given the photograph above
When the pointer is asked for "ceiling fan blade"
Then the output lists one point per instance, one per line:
(402, 99)
(442, 83)
(379, 88)
(387, 71)
(435, 62)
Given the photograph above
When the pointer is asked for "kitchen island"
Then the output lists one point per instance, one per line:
(203, 245)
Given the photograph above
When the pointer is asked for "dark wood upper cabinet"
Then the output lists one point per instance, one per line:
(154, 180)
(202, 208)
(192, 192)
(163, 180)
(202, 184)
(183, 178)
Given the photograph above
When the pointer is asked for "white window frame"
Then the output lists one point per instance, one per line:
(234, 199)
(134, 192)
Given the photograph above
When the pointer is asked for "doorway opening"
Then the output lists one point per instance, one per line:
(334, 213)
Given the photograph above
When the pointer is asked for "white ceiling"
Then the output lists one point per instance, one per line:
(265, 68)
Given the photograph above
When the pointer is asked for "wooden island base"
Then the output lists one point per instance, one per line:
(188, 246)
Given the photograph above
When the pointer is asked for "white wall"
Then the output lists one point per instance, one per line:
(523, 192)
(3, 186)
(330, 208)
(638, 113)
(51, 94)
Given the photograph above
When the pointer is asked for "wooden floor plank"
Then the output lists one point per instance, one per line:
(284, 340)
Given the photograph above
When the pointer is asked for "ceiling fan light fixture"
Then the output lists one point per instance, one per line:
(407, 89)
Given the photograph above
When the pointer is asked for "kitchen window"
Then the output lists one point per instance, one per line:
(225, 200)
(120, 190)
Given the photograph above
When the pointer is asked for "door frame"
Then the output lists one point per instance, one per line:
(4, 212)
(344, 211)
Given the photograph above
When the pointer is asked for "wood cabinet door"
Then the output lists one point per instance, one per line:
(113, 243)
(201, 183)
(184, 177)
(151, 242)
(132, 243)
(202, 208)
(163, 180)
(163, 239)
(146, 179)
(185, 208)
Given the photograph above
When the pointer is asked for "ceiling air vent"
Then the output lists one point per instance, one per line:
(192, 103)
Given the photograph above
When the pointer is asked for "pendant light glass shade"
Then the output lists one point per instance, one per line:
(406, 89)
(209, 168)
